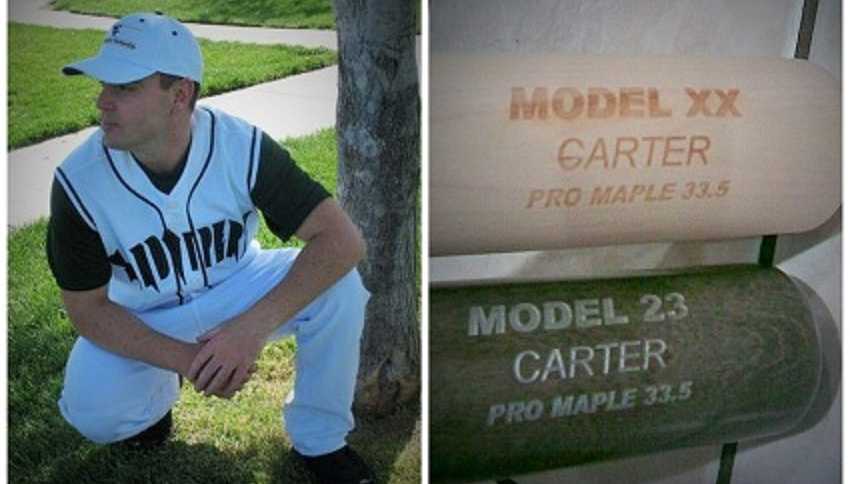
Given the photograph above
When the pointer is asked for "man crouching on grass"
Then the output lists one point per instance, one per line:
(151, 239)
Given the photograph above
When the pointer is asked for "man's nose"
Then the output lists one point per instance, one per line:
(105, 100)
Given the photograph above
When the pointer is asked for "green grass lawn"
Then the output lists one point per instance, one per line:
(307, 14)
(43, 103)
(215, 441)
(295, 14)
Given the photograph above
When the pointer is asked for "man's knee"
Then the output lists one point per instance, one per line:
(349, 294)
(341, 307)
(109, 398)
(106, 421)
(100, 427)
(352, 285)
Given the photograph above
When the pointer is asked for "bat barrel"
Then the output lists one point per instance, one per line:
(551, 152)
(537, 376)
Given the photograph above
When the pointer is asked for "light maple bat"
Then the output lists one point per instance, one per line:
(550, 152)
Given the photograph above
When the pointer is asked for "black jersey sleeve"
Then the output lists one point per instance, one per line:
(284, 192)
(75, 252)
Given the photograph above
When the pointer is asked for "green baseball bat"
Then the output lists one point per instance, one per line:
(527, 377)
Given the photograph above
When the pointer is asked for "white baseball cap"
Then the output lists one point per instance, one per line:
(139, 45)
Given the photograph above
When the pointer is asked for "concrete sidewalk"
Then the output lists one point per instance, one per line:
(38, 12)
(293, 106)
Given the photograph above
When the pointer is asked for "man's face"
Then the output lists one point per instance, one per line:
(136, 114)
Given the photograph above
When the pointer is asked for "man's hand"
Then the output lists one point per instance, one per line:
(226, 360)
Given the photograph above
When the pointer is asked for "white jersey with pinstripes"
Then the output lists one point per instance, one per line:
(166, 248)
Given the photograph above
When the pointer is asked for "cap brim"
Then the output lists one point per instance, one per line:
(108, 70)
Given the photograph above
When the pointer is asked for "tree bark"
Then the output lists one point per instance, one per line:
(378, 144)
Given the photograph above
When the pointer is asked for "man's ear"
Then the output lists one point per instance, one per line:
(184, 90)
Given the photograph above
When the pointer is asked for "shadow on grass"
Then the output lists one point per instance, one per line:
(45, 449)
(175, 462)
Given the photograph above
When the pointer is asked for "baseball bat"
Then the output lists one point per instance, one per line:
(550, 152)
(545, 375)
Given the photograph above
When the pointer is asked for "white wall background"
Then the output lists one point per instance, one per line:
(663, 27)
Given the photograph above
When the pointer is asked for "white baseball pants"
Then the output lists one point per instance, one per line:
(108, 398)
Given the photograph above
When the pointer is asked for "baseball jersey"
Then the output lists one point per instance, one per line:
(158, 241)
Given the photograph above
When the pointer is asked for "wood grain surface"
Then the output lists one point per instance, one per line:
(533, 153)
(538, 376)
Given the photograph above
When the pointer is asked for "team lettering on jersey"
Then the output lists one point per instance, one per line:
(207, 245)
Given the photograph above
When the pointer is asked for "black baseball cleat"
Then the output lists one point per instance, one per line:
(150, 438)
(343, 466)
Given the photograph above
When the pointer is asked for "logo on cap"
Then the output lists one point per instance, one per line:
(116, 29)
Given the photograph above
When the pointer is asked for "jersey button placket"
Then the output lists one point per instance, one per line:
(173, 217)
(178, 220)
